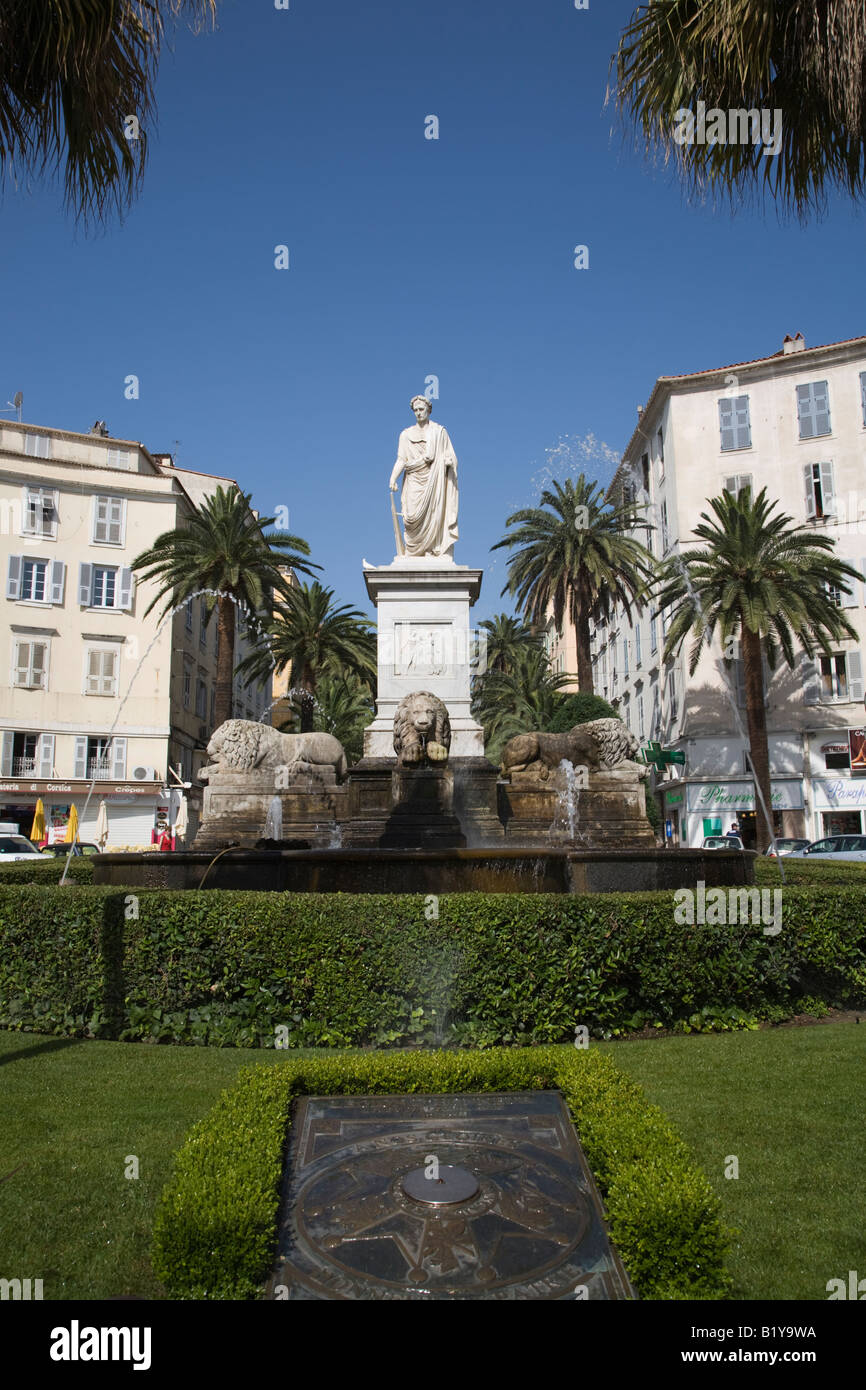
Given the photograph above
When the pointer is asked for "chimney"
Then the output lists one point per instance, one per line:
(795, 344)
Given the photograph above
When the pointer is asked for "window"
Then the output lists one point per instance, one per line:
(30, 666)
(34, 576)
(813, 409)
(734, 423)
(654, 645)
(187, 687)
(100, 672)
(672, 694)
(837, 758)
(40, 512)
(840, 678)
(625, 657)
(637, 651)
(640, 722)
(212, 703)
(35, 581)
(38, 446)
(818, 478)
(108, 518)
(26, 754)
(664, 525)
(202, 617)
(119, 458)
(104, 586)
(840, 599)
(660, 439)
(863, 396)
(102, 759)
(737, 482)
(201, 699)
(189, 615)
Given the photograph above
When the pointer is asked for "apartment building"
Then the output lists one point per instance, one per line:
(795, 423)
(96, 690)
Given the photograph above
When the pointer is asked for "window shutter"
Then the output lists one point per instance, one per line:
(125, 599)
(91, 679)
(726, 423)
(855, 677)
(28, 528)
(85, 585)
(810, 490)
(13, 576)
(821, 406)
(804, 412)
(811, 683)
(38, 663)
(118, 759)
(827, 493)
(21, 664)
(742, 425)
(115, 524)
(46, 755)
(852, 600)
(6, 753)
(80, 759)
(731, 485)
(863, 395)
(109, 673)
(58, 575)
(862, 568)
(740, 666)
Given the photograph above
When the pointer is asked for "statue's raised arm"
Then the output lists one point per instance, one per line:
(428, 464)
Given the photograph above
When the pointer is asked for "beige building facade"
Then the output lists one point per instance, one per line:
(101, 701)
(795, 423)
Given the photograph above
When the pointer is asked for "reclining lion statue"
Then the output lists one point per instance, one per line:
(241, 745)
(601, 744)
(421, 725)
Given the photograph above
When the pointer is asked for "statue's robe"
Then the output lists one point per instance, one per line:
(429, 496)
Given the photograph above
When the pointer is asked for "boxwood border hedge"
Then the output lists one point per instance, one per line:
(340, 970)
(216, 1221)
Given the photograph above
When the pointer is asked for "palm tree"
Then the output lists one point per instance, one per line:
(574, 556)
(761, 583)
(508, 639)
(804, 60)
(223, 550)
(517, 700)
(71, 76)
(345, 705)
(315, 638)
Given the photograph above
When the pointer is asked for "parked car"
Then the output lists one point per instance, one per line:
(17, 847)
(835, 847)
(80, 847)
(786, 845)
(722, 842)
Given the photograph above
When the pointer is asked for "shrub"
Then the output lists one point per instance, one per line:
(215, 1226)
(341, 970)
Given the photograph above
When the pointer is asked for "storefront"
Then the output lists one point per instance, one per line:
(713, 807)
(839, 805)
(135, 813)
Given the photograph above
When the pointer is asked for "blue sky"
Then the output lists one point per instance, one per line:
(408, 257)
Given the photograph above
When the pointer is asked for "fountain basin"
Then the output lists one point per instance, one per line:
(429, 871)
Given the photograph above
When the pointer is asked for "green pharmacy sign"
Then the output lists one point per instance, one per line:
(660, 758)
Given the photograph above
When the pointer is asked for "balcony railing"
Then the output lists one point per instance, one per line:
(22, 766)
(99, 771)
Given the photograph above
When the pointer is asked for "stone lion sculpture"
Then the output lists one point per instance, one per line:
(241, 745)
(421, 725)
(601, 744)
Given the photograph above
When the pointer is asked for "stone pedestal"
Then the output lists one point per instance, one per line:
(608, 812)
(424, 644)
(236, 807)
(422, 815)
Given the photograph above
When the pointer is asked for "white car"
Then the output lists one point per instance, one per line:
(17, 847)
(835, 847)
(722, 842)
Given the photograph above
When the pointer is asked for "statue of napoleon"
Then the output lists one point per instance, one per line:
(428, 463)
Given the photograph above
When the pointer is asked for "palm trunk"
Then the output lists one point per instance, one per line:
(581, 625)
(756, 716)
(225, 659)
(307, 701)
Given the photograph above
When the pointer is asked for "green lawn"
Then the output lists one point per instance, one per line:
(788, 1102)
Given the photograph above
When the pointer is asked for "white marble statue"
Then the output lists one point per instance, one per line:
(428, 463)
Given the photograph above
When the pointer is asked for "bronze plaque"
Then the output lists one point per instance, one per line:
(533, 1228)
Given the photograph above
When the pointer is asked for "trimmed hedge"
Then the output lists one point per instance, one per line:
(216, 1222)
(340, 970)
(47, 869)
